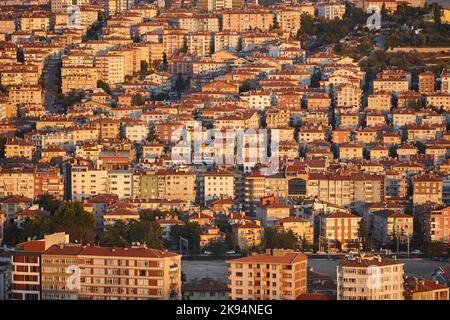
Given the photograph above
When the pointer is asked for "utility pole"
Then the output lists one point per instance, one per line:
(408, 247)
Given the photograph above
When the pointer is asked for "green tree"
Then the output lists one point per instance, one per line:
(179, 83)
(245, 86)
(116, 235)
(433, 249)
(162, 96)
(217, 247)
(38, 227)
(12, 235)
(151, 215)
(48, 202)
(190, 231)
(74, 220)
(165, 62)
(144, 68)
(279, 239)
(104, 85)
(364, 235)
(137, 99)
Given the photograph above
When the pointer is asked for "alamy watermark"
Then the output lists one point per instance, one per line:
(246, 147)
(374, 20)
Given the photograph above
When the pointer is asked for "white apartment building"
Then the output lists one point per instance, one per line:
(86, 182)
(369, 278)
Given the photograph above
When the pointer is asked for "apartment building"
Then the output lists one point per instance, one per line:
(369, 278)
(275, 275)
(331, 10)
(427, 188)
(445, 81)
(249, 234)
(437, 225)
(213, 5)
(244, 20)
(302, 228)
(86, 181)
(339, 229)
(17, 74)
(426, 82)
(34, 21)
(17, 182)
(136, 273)
(439, 100)
(348, 95)
(390, 227)
(424, 289)
(199, 43)
(20, 149)
(26, 266)
(78, 78)
(215, 185)
(379, 101)
(199, 22)
(289, 20)
(113, 7)
(111, 68)
(227, 41)
(176, 184)
(25, 94)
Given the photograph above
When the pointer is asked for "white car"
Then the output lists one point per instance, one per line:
(231, 252)
(207, 253)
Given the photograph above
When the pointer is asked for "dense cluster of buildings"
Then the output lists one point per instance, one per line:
(206, 110)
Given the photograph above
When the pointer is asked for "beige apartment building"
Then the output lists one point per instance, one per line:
(302, 228)
(244, 20)
(34, 21)
(17, 182)
(437, 225)
(380, 101)
(199, 43)
(176, 185)
(226, 41)
(369, 278)
(348, 95)
(349, 151)
(20, 149)
(339, 229)
(78, 78)
(7, 26)
(86, 182)
(426, 82)
(346, 190)
(136, 273)
(25, 94)
(216, 185)
(249, 235)
(289, 20)
(17, 74)
(111, 68)
(276, 275)
(199, 22)
(391, 226)
(439, 100)
(427, 188)
(331, 10)
(390, 85)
